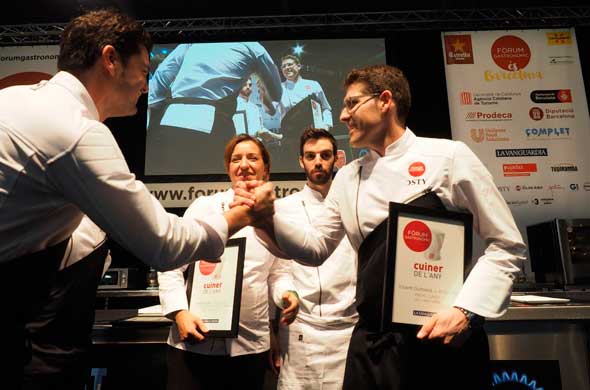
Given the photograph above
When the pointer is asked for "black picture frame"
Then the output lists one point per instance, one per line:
(420, 213)
(232, 331)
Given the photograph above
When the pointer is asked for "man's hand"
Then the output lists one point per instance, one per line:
(268, 136)
(265, 201)
(259, 196)
(244, 193)
(290, 307)
(450, 326)
(190, 327)
(268, 106)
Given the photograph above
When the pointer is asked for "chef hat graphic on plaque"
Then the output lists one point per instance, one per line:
(419, 237)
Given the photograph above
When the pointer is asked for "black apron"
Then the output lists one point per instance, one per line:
(54, 313)
(176, 150)
(396, 359)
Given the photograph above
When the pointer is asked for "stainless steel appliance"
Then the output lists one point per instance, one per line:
(120, 278)
(560, 251)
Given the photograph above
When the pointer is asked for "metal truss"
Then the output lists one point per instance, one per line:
(371, 22)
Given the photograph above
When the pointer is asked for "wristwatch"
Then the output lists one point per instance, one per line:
(475, 321)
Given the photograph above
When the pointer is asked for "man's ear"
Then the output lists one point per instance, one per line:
(109, 57)
(386, 100)
(301, 162)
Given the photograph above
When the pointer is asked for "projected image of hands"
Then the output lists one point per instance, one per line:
(202, 94)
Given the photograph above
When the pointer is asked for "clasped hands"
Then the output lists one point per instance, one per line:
(258, 196)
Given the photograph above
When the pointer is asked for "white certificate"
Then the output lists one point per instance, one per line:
(215, 290)
(427, 252)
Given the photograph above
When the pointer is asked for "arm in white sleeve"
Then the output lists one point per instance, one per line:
(489, 284)
(159, 85)
(267, 70)
(306, 243)
(326, 108)
(280, 280)
(172, 290)
(84, 240)
(95, 177)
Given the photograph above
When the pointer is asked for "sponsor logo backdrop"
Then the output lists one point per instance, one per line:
(519, 103)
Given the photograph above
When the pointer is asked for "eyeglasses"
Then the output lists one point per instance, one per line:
(352, 104)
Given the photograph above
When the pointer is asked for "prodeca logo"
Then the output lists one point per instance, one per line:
(479, 116)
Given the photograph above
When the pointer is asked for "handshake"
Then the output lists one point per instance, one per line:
(257, 198)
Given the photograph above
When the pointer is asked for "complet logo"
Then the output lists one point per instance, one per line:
(458, 49)
(543, 133)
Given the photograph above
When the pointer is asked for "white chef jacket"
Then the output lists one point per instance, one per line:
(247, 118)
(58, 162)
(409, 166)
(315, 345)
(326, 293)
(85, 239)
(294, 92)
(260, 269)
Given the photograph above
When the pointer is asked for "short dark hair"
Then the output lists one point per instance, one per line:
(231, 144)
(84, 38)
(379, 78)
(291, 57)
(313, 133)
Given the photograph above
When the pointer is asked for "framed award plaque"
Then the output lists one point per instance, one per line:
(214, 290)
(427, 250)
